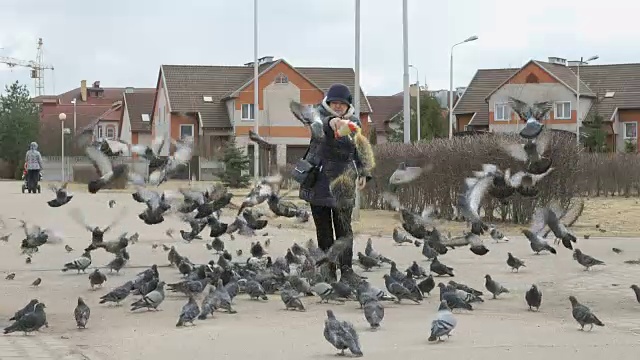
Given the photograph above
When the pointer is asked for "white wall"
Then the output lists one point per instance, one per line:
(125, 133)
(162, 118)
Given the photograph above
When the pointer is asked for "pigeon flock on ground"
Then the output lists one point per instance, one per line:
(304, 270)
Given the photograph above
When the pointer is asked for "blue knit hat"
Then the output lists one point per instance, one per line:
(339, 92)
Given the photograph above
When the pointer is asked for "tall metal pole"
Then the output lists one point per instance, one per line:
(406, 114)
(75, 102)
(578, 104)
(471, 38)
(356, 95)
(451, 93)
(256, 108)
(62, 117)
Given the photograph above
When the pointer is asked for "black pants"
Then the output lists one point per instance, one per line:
(33, 176)
(327, 220)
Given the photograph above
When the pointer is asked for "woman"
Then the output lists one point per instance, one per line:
(335, 157)
(33, 159)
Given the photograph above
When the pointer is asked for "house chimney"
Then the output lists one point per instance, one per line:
(265, 59)
(96, 84)
(557, 60)
(83, 90)
(128, 90)
(249, 64)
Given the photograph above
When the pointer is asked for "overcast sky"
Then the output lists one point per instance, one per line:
(123, 42)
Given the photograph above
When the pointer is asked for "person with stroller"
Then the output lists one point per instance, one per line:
(33, 161)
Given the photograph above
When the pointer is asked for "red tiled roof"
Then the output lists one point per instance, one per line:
(137, 103)
(384, 108)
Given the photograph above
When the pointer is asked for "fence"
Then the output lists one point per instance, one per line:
(52, 166)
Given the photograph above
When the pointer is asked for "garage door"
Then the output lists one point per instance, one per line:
(295, 153)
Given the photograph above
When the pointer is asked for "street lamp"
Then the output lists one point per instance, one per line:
(578, 119)
(256, 107)
(62, 117)
(469, 39)
(417, 100)
(406, 115)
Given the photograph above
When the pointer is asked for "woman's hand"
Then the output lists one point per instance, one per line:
(361, 182)
(336, 123)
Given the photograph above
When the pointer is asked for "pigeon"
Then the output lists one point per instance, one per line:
(107, 171)
(532, 114)
(36, 282)
(290, 298)
(400, 238)
(427, 285)
(537, 243)
(152, 152)
(68, 248)
(367, 262)
(514, 263)
(469, 201)
(152, 300)
(616, 250)
(97, 278)
(439, 268)
(180, 157)
(309, 116)
(533, 296)
(5, 238)
(373, 312)
(465, 288)
(454, 301)
(342, 335)
(118, 294)
(10, 276)
(189, 312)
(443, 324)
(119, 261)
(369, 251)
(217, 244)
(29, 322)
(25, 310)
(636, 291)
(112, 203)
(404, 174)
(497, 235)
(81, 314)
(428, 251)
(551, 216)
(525, 183)
(417, 270)
(79, 264)
(62, 196)
(255, 290)
(324, 291)
(336, 250)
(398, 290)
(583, 315)
(531, 154)
(494, 287)
(585, 260)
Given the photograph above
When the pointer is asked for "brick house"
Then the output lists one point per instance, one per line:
(91, 103)
(136, 115)
(212, 103)
(385, 109)
(612, 91)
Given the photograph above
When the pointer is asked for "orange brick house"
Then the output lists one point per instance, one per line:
(612, 91)
(212, 103)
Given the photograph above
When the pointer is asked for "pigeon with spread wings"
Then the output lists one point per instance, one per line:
(532, 114)
(62, 196)
(108, 172)
(531, 153)
(310, 117)
(550, 216)
(182, 155)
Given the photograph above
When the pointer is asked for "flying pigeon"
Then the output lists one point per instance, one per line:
(532, 114)
(62, 196)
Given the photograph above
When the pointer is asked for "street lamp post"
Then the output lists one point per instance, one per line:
(578, 117)
(356, 93)
(74, 102)
(469, 39)
(62, 117)
(406, 115)
(417, 103)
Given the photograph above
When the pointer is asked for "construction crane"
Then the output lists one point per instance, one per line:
(37, 68)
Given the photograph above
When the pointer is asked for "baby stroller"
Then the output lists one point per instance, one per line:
(25, 186)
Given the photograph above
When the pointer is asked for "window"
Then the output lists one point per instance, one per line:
(247, 112)
(111, 132)
(145, 117)
(281, 79)
(186, 130)
(631, 130)
(502, 112)
(99, 131)
(207, 99)
(563, 110)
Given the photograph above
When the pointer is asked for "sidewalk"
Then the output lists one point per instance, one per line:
(39, 347)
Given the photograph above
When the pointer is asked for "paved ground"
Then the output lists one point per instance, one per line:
(497, 327)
